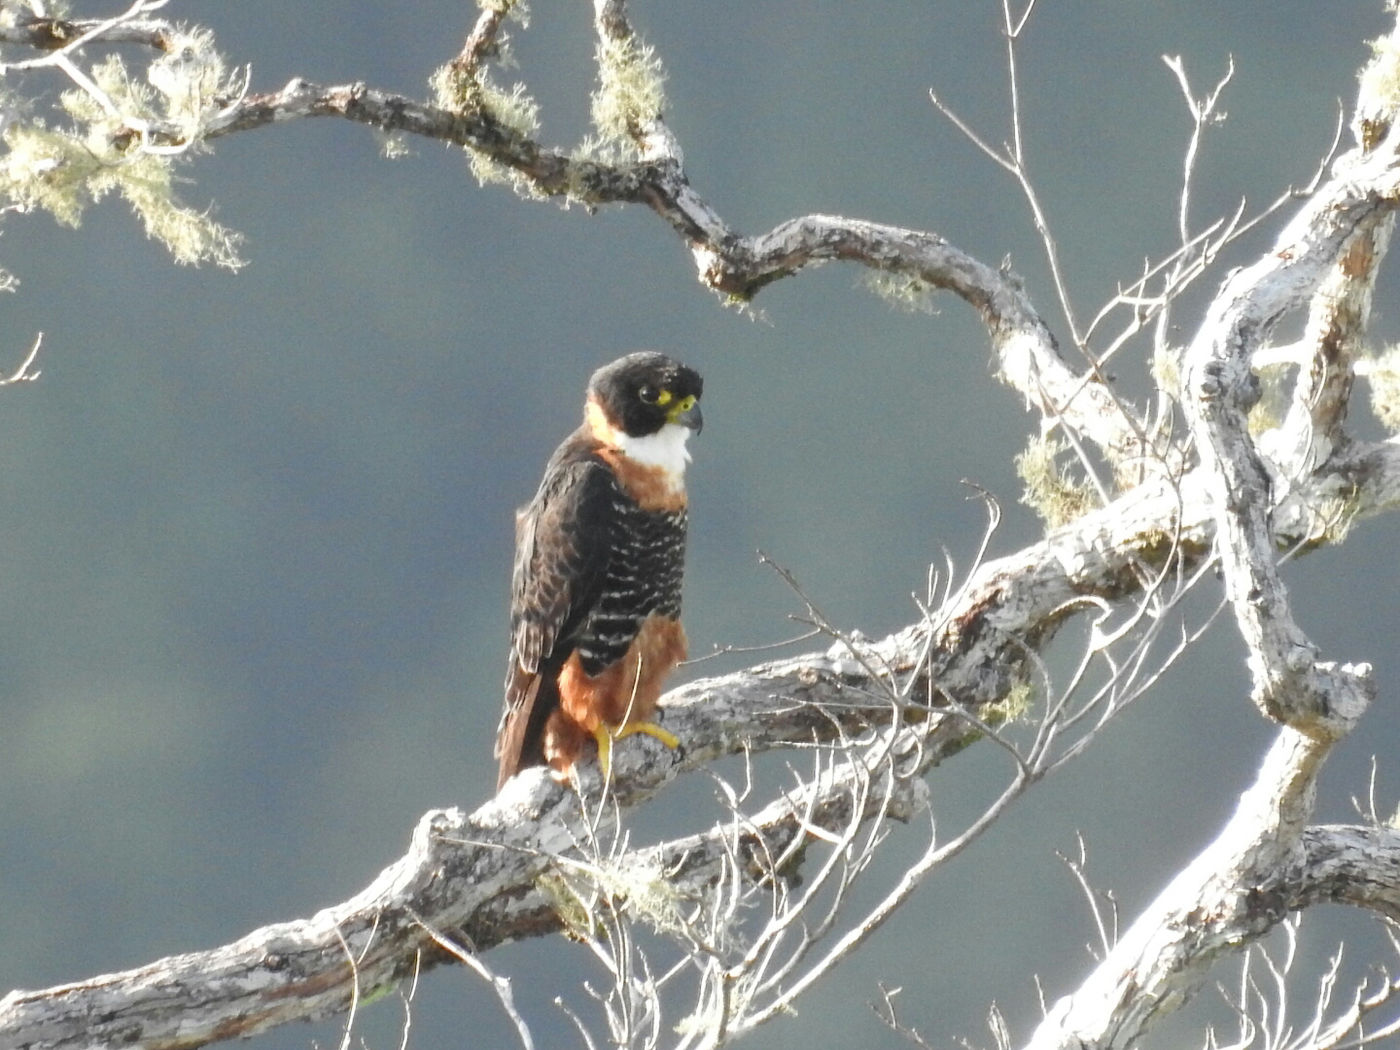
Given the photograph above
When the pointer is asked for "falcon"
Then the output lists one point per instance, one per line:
(596, 589)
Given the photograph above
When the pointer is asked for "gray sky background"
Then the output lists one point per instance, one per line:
(258, 526)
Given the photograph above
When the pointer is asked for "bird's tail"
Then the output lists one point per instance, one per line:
(520, 741)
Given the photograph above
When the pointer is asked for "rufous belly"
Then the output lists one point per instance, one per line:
(623, 694)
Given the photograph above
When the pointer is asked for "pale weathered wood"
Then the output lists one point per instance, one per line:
(476, 878)
(474, 875)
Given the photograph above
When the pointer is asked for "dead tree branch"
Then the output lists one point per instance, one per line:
(877, 714)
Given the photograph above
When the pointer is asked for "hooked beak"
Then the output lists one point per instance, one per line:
(691, 418)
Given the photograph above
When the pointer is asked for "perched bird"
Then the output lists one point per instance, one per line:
(596, 591)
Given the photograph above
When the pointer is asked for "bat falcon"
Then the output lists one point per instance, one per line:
(596, 588)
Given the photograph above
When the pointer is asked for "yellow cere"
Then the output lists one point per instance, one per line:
(664, 398)
(682, 406)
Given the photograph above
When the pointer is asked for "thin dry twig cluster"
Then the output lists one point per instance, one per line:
(706, 936)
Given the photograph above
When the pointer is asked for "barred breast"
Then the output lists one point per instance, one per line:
(643, 577)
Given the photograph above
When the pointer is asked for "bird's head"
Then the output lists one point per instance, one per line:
(645, 404)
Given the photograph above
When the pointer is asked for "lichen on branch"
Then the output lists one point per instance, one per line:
(101, 142)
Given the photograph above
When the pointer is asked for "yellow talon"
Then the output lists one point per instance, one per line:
(606, 734)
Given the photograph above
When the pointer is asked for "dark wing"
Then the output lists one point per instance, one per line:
(562, 545)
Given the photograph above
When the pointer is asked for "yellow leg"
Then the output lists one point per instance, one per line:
(606, 734)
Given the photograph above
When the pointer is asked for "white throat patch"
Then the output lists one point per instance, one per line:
(665, 449)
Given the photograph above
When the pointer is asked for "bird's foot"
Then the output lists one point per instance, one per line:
(606, 734)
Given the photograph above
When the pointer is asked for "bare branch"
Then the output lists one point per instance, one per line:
(872, 716)
(1291, 683)
(1214, 904)
(500, 985)
(1203, 112)
(62, 37)
(26, 372)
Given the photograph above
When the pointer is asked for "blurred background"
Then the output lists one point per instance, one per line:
(257, 527)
